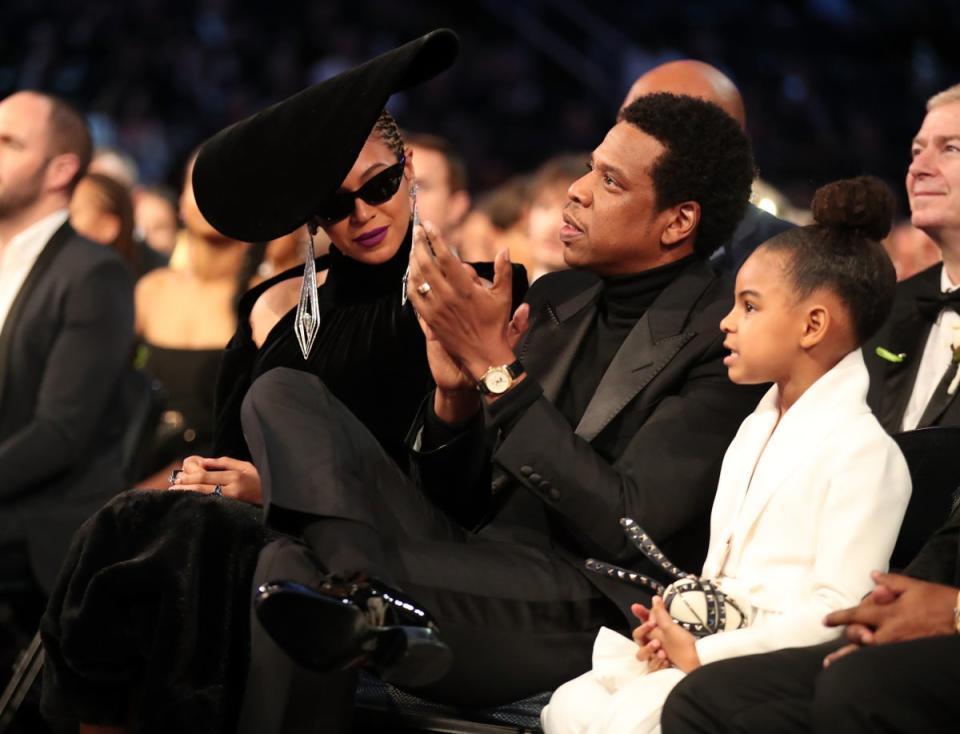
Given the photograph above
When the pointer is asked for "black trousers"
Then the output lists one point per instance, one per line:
(519, 618)
(904, 687)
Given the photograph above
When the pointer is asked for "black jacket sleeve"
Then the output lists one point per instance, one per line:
(82, 371)
(451, 464)
(937, 561)
(665, 478)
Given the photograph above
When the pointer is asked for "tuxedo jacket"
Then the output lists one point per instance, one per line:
(648, 446)
(905, 332)
(756, 227)
(806, 508)
(63, 350)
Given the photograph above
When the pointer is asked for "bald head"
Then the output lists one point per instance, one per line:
(695, 79)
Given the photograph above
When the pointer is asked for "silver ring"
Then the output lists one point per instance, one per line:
(218, 490)
(173, 475)
(424, 288)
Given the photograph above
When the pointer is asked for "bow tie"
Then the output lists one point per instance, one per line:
(930, 306)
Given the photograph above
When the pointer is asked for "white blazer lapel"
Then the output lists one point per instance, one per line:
(773, 459)
(738, 466)
(798, 434)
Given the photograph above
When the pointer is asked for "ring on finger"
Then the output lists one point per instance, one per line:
(218, 490)
(424, 288)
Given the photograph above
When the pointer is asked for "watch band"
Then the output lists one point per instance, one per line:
(514, 369)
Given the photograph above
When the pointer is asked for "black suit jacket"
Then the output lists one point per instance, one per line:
(756, 227)
(939, 559)
(63, 349)
(905, 332)
(649, 445)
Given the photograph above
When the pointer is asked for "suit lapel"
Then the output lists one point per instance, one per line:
(940, 400)
(638, 360)
(951, 414)
(559, 333)
(651, 344)
(12, 324)
(907, 334)
(778, 462)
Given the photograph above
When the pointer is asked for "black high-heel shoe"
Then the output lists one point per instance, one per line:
(348, 624)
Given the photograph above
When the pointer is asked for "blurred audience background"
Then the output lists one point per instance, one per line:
(829, 83)
(832, 87)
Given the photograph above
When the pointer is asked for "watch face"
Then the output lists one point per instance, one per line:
(498, 380)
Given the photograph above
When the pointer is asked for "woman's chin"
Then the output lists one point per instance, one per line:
(376, 255)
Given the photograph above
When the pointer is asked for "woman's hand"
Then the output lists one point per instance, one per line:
(238, 480)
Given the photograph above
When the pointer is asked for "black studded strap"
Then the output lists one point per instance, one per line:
(623, 574)
(714, 601)
(645, 545)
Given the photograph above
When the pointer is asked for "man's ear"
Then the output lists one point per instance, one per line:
(60, 171)
(408, 163)
(815, 326)
(681, 224)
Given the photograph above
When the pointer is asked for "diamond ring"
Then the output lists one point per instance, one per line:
(424, 288)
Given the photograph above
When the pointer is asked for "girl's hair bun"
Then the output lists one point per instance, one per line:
(863, 205)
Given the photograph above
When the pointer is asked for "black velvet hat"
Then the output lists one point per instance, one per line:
(263, 177)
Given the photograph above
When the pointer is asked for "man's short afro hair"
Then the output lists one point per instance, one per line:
(708, 159)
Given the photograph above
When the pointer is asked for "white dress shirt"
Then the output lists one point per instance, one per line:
(19, 255)
(936, 358)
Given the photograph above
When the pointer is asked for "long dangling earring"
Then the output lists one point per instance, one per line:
(307, 322)
(413, 226)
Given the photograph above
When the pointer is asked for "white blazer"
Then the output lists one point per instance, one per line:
(828, 492)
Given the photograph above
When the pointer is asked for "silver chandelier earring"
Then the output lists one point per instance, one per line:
(414, 224)
(307, 322)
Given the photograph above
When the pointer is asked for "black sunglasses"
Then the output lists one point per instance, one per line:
(377, 190)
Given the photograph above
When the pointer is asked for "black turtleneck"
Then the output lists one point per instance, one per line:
(622, 303)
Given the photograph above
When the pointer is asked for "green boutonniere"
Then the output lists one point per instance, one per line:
(955, 382)
(898, 358)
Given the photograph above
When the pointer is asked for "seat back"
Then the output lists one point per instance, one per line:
(933, 457)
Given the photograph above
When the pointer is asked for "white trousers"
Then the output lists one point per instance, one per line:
(616, 697)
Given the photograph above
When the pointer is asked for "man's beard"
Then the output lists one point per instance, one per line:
(19, 196)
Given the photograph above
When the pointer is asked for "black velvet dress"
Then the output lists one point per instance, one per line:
(186, 427)
(148, 621)
(369, 351)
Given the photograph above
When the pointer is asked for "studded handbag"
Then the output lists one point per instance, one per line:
(696, 604)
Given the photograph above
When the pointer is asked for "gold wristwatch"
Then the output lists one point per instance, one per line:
(497, 380)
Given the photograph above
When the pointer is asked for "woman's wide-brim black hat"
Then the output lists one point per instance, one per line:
(263, 177)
